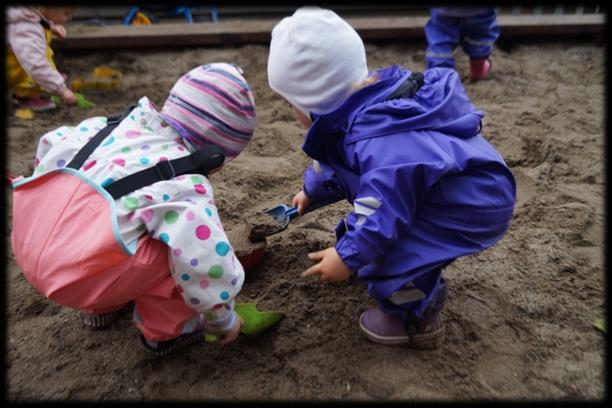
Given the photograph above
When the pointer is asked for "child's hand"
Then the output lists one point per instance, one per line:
(68, 97)
(59, 30)
(300, 201)
(331, 268)
(233, 333)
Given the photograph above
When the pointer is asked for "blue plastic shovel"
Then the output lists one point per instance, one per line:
(283, 214)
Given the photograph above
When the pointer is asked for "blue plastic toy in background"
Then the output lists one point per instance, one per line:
(144, 15)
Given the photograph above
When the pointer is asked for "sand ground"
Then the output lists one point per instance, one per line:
(520, 315)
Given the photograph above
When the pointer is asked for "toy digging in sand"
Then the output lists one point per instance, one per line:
(277, 218)
(129, 204)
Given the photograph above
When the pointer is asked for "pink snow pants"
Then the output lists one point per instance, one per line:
(65, 245)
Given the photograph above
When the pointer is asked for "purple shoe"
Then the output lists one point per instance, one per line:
(426, 333)
(386, 329)
(36, 104)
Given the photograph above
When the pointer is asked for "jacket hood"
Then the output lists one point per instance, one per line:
(441, 104)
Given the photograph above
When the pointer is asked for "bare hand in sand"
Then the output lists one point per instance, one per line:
(301, 201)
(330, 268)
(68, 97)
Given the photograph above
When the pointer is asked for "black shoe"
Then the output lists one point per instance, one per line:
(102, 320)
(163, 348)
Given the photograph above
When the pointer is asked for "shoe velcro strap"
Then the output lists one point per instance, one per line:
(410, 322)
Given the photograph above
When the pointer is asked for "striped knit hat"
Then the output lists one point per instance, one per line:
(212, 104)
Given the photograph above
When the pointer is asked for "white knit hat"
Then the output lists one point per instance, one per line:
(315, 58)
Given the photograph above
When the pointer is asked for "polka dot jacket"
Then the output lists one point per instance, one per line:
(179, 212)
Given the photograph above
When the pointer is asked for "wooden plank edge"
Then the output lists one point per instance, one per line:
(259, 32)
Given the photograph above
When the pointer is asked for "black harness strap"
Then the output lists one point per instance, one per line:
(409, 88)
(201, 161)
(82, 155)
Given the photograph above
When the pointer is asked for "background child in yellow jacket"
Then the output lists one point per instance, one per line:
(30, 69)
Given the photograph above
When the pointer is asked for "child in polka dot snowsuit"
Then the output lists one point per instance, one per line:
(211, 104)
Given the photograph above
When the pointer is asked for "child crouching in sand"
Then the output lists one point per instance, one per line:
(405, 149)
(123, 211)
(30, 70)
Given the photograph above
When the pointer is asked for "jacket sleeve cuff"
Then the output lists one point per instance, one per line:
(51, 81)
(61, 88)
(222, 325)
(305, 190)
(313, 185)
(310, 188)
(349, 254)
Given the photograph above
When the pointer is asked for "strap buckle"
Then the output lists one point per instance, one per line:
(208, 158)
(409, 87)
(160, 169)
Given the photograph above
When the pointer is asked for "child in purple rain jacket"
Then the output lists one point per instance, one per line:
(405, 149)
